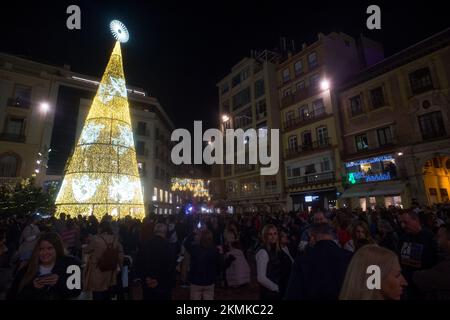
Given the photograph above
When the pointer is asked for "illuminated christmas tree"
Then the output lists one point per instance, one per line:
(102, 176)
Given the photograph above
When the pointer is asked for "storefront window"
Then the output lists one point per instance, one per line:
(372, 202)
(395, 201)
(363, 204)
(370, 170)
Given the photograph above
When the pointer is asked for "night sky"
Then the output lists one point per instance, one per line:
(178, 52)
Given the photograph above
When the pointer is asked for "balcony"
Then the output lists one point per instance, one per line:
(298, 96)
(386, 148)
(308, 148)
(12, 137)
(303, 119)
(319, 178)
(19, 103)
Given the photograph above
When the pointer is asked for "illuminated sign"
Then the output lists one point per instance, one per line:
(370, 160)
(311, 198)
(353, 176)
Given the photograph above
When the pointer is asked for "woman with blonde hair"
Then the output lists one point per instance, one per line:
(270, 263)
(356, 284)
(360, 236)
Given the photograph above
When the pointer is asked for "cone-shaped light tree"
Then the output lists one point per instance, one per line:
(102, 176)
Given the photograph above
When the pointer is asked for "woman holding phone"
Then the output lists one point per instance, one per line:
(45, 275)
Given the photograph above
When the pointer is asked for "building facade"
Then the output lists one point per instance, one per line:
(42, 110)
(307, 82)
(395, 120)
(248, 99)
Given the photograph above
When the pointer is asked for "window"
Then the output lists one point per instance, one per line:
(241, 99)
(14, 129)
(155, 194)
(322, 136)
(166, 196)
(161, 195)
(287, 92)
(156, 172)
(170, 197)
(447, 164)
(140, 148)
(156, 152)
(156, 133)
(261, 111)
(356, 105)
(312, 60)
(292, 143)
(236, 80)
(22, 96)
(361, 142)
(444, 194)
(384, 136)
(243, 119)
(325, 165)
(225, 88)
(377, 97)
(9, 165)
(307, 139)
(286, 75)
(309, 169)
(141, 128)
(420, 81)
(298, 67)
(300, 85)
(314, 81)
(259, 88)
(290, 117)
(318, 107)
(304, 112)
(432, 125)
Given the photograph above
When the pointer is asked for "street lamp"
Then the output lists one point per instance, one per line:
(325, 84)
(44, 107)
(225, 118)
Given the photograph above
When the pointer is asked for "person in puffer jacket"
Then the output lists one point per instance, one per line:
(236, 265)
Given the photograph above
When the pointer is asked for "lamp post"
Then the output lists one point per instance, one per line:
(41, 162)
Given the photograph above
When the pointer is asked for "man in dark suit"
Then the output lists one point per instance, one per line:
(318, 273)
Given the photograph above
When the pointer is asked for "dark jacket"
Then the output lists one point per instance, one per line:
(435, 281)
(154, 260)
(416, 252)
(59, 291)
(205, 263)
(319, 272)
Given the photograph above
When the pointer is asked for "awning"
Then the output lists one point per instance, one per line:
(374, 189)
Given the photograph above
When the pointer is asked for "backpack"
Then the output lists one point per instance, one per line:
(110, 257)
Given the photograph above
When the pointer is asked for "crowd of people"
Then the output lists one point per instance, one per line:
(298, 255)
